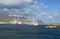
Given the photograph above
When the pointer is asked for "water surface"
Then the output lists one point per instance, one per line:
(28, 32)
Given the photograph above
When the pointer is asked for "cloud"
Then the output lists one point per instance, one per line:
(18, 12)
(50, 17)
(46, 6)
(13, 7)
(5, 9)
(43, 5)
(54, 16)
(41, 15)
(57, 13)
(14, 2)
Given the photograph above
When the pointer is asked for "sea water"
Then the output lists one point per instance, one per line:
(9, 31)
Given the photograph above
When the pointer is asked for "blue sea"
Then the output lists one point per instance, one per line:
(8, 31)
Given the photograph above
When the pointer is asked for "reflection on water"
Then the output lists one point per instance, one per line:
(28, 32)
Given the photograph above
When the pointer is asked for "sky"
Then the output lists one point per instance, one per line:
(47, 11)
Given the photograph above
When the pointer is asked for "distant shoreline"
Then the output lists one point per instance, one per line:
(28, 24)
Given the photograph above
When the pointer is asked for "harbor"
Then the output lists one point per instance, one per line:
(29, 19)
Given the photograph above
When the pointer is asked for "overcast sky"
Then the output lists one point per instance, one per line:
(46, 10)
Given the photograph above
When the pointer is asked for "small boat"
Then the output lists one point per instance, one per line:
(50, 26)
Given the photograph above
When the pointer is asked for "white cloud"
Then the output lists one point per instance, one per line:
(57, 13)
(44, 13)
(16, 11)
(43, 5)
(29, 10)
(5, 9)
(46, 6)
(41, 15)
(50, 17)
(14, 2)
